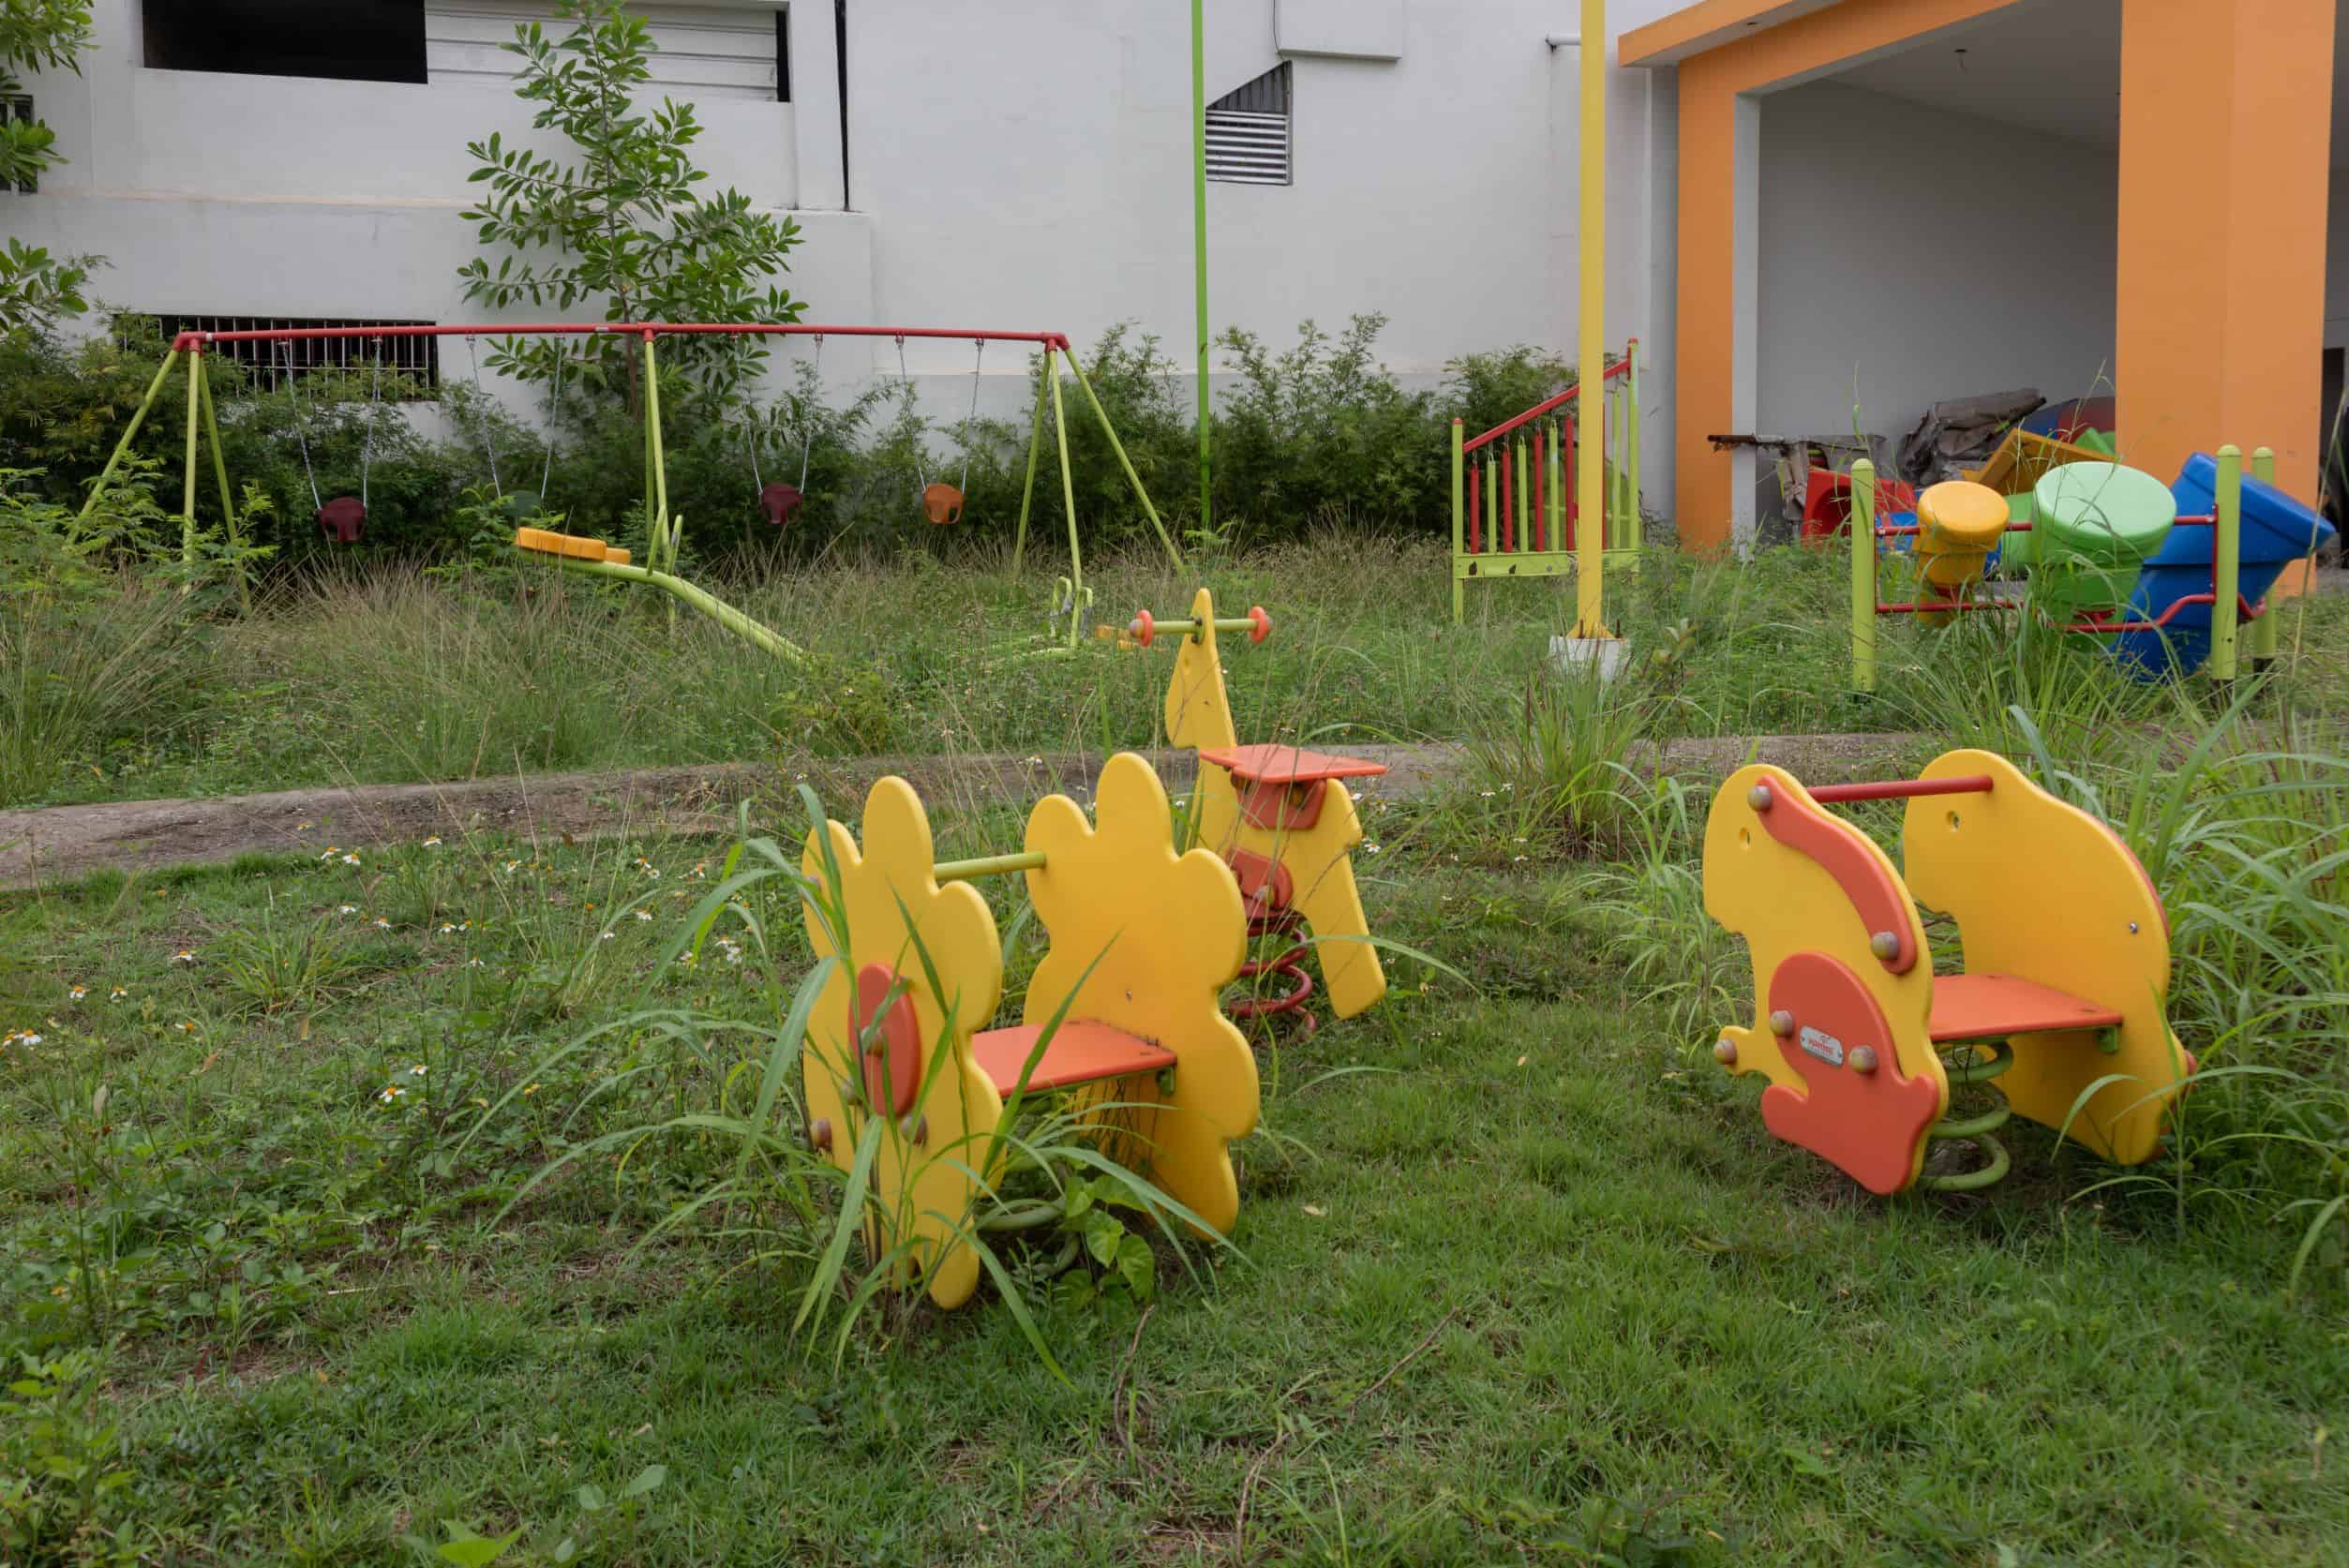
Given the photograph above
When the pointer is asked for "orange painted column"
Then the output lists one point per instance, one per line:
(2225, 146)
(1704, 394)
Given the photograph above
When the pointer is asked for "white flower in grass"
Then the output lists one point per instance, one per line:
(686, 957)
(390, 1093)
(75, 992)
(447, 929)
(512, 866)
(351, 859)
(1370, 849)
(184, 1026)
(644, 913)
(346, 909)
(330, 851)
(380, 923)
(118, 994)
(20, 1037)
(184, 956)
(418, 1070)
(607, 936)
(433, 842)
(475, 963)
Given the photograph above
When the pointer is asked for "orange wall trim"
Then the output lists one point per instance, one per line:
(1704, 368)
(2220, 279)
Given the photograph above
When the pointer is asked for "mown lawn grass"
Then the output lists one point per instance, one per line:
(1525, 1281)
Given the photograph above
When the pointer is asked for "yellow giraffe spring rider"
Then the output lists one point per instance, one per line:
(1280, 816)
(2067, 962)
(1143, 941)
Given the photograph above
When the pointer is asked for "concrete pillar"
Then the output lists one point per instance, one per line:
(2225, 133)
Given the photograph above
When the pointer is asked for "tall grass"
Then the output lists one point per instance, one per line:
(78, 679)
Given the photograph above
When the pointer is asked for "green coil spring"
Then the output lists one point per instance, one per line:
(1967, 1067)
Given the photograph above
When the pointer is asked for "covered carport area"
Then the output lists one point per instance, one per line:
(1887, 202)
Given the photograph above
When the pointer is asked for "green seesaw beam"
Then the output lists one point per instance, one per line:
(594, 557)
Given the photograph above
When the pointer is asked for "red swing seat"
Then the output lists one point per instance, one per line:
(343, 520)
(781, 502)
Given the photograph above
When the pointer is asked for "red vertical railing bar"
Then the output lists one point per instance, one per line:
(1574, 485)
(1508, 504)
(1475, 508)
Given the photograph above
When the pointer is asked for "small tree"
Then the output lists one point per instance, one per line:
(622, 226)
(40, 34)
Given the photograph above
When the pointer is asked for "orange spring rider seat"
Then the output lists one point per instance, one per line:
(2066, 964)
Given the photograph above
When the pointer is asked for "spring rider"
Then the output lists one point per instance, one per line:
(1144, 940)
(2066, 960)
(1281, 815)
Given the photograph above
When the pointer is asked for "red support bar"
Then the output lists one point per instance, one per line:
(1616, 371)
(1571, 500)
(1900, 790)
(1922, 606)
(1508, 505)
(186, 341)
(1475, 509)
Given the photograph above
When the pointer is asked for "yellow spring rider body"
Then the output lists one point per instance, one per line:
(1280, 816)
(1144, 940)
(2066, 953)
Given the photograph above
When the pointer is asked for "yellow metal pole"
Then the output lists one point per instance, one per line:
(1591, 459)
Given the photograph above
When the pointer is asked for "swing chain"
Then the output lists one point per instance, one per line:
(366, 431)
(554, 411)
(905, 381)
(807, 421)
(481, 414)
(962, 481)
(285, 351)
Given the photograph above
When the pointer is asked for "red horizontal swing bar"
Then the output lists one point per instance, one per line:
(1900, 790)
(194, 341)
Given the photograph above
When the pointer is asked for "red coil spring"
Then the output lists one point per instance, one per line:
(1289, 964)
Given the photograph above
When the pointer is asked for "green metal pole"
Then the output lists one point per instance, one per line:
(987, 865)
(1863, 576)
(1460, 521)
(1085, 385)
(1492, 506)
(188, 493)
(2263, 629)
(1554, 485)
(227, 504)
(1631, 443)
(1069, 499)
(138, 417)
(1523, 498)
(1198, 237)
(2226, 562)
(1035, 445)
(707, 602)
(1233, 624)
(665, 529)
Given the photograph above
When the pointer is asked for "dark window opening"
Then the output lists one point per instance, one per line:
(783, 55)
(349, 41)
(20, 108)
(1248, 131)
(410, 365)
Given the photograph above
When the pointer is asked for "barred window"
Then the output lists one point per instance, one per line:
(271, 360)
(1248, 131)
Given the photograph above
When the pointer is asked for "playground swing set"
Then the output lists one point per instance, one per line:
(343, 519)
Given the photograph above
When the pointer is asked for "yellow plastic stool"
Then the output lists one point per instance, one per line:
(1958, 525)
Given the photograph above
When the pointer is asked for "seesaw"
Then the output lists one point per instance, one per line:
(597, 558)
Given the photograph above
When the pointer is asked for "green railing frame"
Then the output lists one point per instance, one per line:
(1620, 530)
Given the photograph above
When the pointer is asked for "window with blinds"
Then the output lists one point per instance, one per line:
(1248, 132)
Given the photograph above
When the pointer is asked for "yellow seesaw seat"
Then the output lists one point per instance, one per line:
(569, 546)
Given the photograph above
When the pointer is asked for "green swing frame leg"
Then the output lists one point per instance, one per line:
(1035, 448)
(130, 432)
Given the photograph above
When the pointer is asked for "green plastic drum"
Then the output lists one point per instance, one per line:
(2095, 523)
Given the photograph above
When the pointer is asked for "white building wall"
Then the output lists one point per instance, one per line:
(1021, 165)
(1908, 256)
